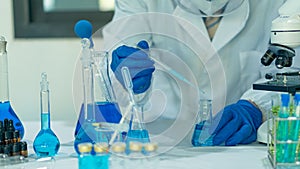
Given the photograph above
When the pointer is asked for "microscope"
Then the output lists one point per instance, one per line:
(285, 36)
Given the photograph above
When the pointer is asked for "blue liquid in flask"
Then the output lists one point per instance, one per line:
(201, 136)
(46, 142)
(7, 112)
(85, 131)
(104, 112)
(138, 135)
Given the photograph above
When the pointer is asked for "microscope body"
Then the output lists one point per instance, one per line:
(285, 36)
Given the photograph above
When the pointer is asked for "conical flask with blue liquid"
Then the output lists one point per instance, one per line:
(99, 103)
(6, 110)
(137, 131)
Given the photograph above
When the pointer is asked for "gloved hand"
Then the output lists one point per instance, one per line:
(138, 62)
(236, 124)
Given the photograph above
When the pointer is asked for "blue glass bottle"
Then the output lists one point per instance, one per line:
(201, 135)
(6, 110)
(46, 143)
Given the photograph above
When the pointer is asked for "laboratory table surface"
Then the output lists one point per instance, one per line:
(252, 156)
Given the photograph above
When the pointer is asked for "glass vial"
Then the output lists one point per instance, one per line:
(135, 155)
(101, 157)
(85, 157)
(118, 155)
(6, 110)
(201, 135)
(151, 160)
(46, 143)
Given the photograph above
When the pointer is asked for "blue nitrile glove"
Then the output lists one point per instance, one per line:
(138, 62)
(236, 124)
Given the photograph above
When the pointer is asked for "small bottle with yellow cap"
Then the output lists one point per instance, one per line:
(151, 159)
(135, 154)
(101, 157)
(85, 157)
(118, 155)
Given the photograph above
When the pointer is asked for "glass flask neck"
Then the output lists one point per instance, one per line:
(45, 110)
(102, 83)
(88, 80)
(4, 94)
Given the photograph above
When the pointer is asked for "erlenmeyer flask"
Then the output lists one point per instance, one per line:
(137, 130)
(106, 107)
(6, 110)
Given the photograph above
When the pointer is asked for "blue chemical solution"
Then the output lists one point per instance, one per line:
(86, 134)
(138, 135)
(86, 161)
(201, 136)
(46, 143)
(104, 112)
(101, 161)
(7, 112)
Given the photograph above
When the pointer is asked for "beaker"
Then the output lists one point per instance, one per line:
(201, 135)
(6, 110)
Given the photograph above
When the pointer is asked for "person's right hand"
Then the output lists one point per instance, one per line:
(138, 62)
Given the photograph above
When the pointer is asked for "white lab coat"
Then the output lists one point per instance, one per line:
(240, 41)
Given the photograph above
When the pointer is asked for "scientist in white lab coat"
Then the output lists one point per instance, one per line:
(221, 57)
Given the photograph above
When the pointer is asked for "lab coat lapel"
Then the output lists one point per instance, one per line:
(230, 26)
(192, 18)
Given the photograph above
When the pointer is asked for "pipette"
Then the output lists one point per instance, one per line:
(129, 86)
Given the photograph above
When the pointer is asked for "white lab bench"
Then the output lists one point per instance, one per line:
(253, 156)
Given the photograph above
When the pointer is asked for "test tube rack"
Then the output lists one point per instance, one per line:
(279, 152)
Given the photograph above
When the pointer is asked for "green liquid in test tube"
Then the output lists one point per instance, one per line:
(282, 129)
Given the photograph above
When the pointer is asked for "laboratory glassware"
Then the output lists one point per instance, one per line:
(6, 109)
(282, 129)
(86, 131)
(46, 143)
(201, 135)
(106, 107)
(137, 131)
(101, 157)
(151, 160)
(118, 155)
(85, 157)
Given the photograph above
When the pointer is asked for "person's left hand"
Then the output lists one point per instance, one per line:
(236, 124)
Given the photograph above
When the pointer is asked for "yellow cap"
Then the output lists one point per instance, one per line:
(118, 147)
(135, 146)
(150, 147)
(101, 147)
(85, 147)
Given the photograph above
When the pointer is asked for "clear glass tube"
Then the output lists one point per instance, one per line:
(6, 110)
(85, 131)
